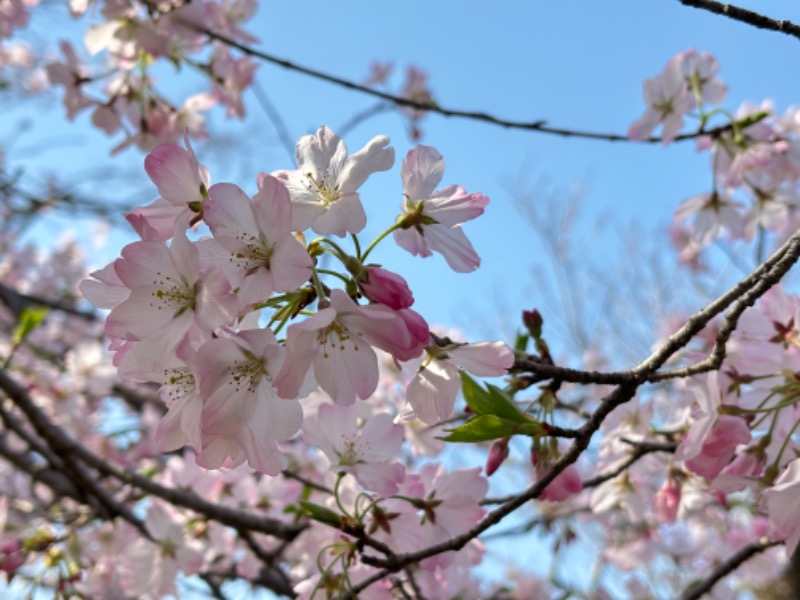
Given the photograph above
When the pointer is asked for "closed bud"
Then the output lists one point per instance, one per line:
(533, 322)
(497, 455)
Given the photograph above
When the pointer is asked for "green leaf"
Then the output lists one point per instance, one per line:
(321, 514)
(490, 401)
(482, 429)
(29, 320)
(521, 342)
(475, 396)
(503, 405)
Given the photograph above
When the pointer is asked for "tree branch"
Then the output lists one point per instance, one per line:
(698, 589)
(539, 126)
(745, 16)
(63, 443)
(741, 296)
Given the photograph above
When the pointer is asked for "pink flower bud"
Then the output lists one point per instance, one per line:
(567, 483)
(11, 558)
(497, 455)
(380, 285)
(668, 500)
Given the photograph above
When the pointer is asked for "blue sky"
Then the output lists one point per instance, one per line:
(573, 63)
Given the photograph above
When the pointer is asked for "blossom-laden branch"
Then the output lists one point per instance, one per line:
(741, 295)
(746, 16)
(699, 589)
(538, 125)
(62, 443)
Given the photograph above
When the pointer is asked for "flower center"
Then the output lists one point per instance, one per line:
(324, 187)
(335, 337)
(255, 254)
(246, 374)
(172, 294)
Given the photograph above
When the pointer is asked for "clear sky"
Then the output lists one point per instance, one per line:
(574, 63)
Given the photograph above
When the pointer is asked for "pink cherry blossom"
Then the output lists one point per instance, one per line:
(497, 455)
(169, 294)
(183, 184)
(154, 569)
(253, 243)
(713, 214)
(70, 74)
(433, 390)
(668, 99)
(702, 67)
(243, 417)
(324, 187)
(432, 220)
(231, 77)
(338, 341)
(363, 451)
(668, 500)
(385, 287)
(783, 507)
(719, 446)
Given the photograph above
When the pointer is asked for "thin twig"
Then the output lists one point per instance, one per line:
(58, 439)
(745, 16)
(537, 125)
(699, 589)
(275, 118)
(739, 297)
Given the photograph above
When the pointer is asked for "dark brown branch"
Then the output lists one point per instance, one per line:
(61, 485)
(84, 485)
(18, 302)
(697, 590)
(742, 295)
(640, 449)
(745, 16)
(58, 439)
(536, 126)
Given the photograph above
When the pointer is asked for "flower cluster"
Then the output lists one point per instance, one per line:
(188, 314)
(754, 159)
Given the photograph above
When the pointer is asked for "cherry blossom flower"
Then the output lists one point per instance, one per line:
(71, 74)
(433, 390)
(708, 400)
(169, 294)
(363, 451)
(783, 508)
(668, 500)
(324, 187)
(231, 76)
(719, 446)
(713, 213)
(379, 72)
(243, 417)
(338, 341)
(183, 184)
(154, 570)
(432, 220)
(385, 287)
(701, 68)
(667, 99)
(253, 243)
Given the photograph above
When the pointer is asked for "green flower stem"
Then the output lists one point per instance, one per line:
(337, 251)
(378, 239)
(322, 301)
(334, 274)
(357, 245)
(339, 476)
